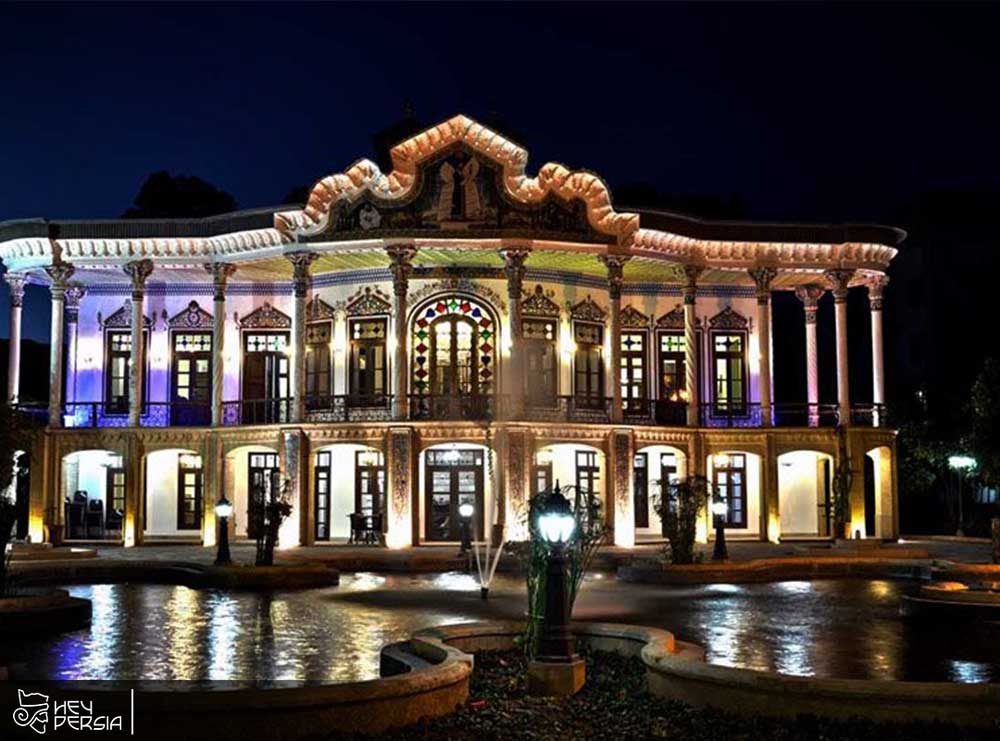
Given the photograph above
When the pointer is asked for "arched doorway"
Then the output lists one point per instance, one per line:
(453, 474)
(879, 508)
(94, 502)
(348, 479)
(805, 495)
(654, 469)
(734, 476)
(252, 472)
(175, 496)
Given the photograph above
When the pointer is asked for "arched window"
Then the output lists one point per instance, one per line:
(454, 347)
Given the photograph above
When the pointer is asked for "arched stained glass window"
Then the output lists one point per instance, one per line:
(454, 347)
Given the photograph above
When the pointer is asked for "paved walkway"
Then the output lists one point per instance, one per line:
(445, 558)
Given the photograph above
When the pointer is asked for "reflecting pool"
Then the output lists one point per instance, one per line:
(836, 628)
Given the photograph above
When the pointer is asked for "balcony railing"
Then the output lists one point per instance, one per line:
(425, 407)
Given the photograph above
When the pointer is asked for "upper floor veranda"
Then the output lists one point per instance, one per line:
(454, 287)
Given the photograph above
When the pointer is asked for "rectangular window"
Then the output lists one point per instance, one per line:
(730, 479)
(632, 373)
(588, 473)
(263, 480)
(265, 377)
(191, 378)
(321, 485)
(319, 336)
(541, 372)
(368, 370)
(589, 365)
(369, 482)
(673, 368)
(114, 493)
(117, 367)
(190, 479)
(541, 478)
(729, 364)
(640, 489)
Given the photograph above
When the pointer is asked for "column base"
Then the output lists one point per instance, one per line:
(563, 679)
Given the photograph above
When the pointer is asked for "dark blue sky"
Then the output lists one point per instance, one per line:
(805, 111)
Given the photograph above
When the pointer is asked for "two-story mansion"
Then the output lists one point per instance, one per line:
(452, 331)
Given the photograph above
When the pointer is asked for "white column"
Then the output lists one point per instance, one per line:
(301, 283)
(17, 282)
(762, 277)
(74, 294)
(840, 280)
(138, 271)
(691, 345)
(615, 265)
(221, 273)
(401, 265)
(876, 287)
(59, 274)
(810, 295)
(514, 269)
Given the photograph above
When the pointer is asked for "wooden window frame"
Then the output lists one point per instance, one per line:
(109, 410)
(589, 400)
(743, 410)
(354, 397)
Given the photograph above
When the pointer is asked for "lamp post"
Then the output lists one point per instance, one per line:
(557, 669)
(465, 510)
(960, 464)
(223, 509)
(719, 510)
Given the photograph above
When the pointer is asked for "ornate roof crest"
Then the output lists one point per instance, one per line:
(588, 310)
(632, 318)
(193, 317)
(540, 303)
(728, 319)
(266, 317)
(122, 318)
(369, 300)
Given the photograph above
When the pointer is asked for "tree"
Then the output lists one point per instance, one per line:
(983, 440)
(269, 515)
(166, 196)
(15, 437)
(679, 508)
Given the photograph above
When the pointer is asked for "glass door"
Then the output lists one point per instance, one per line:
(191, 379)
(262, 480)
(265, 377)
(189, 492)
(640, 489)
(453, 477)
(369, 482)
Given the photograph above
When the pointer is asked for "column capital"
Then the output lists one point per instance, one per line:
(17, 283)
(301, 262)
(138, 271)
(221, 273)
(615, 265)
(691, 275)
(513, 267)
(876, 287)
(74, 294)
(60, 275)
(840, 280)
(810, 295)
(762, 277)
(400, 265)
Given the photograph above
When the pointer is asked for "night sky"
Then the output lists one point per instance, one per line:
(803, 112)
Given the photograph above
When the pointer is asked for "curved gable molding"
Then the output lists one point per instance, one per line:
(365, 176)
(368, 301)
(122, 318)
(729, 319)
(192, 317)
(266, 317)
(632, 318)
(588, 310)
(540, 304)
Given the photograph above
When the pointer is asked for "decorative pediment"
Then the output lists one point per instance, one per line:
(266, 317)
(588, 311)
(632, 318)
(728, 319)
(673, 319)
(461, 285)
(540, 303)
(319, 310)
(122, 318)
(369, 300)
(193, 317)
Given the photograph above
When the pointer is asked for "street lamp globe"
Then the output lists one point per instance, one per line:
(719, 508)
(465, 509)
(961, 462)
(556, 522)
(223, 508)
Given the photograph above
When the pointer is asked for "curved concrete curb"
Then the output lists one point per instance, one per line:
(677, 671)
(43, 611)
(107, 571)
(776, 569)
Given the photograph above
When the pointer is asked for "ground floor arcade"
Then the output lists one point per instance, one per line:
(402, 485)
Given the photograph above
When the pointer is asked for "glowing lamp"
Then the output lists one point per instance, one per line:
(961, 462)
(223, 508)
(555, 521)
(465, 510)
(719, 508)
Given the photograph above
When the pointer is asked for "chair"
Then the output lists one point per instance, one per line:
(114, 521)
(374, 534)
(76, 515)
(357, 528)
(95, 519)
